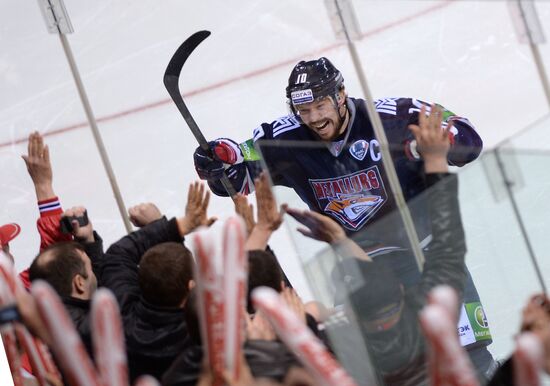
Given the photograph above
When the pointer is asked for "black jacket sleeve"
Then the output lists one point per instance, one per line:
(504, 376)
(445, 255)
(119, 270)
(94, 250)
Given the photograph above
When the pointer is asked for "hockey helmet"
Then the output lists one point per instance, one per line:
(312, 80)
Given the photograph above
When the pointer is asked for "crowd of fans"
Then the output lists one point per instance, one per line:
(152, 275)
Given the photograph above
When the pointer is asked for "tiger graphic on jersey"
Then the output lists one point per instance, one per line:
(352, 198)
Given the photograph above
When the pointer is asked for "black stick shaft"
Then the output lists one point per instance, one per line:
(171, 82)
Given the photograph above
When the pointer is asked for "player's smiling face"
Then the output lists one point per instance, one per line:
(321, 116)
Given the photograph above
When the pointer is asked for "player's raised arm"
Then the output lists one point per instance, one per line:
(270, 216)
(323, 228)
(432, 140)
(465, 142)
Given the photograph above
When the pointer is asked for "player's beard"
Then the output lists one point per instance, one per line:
(340, 125)
(329, 132)
(337, 126)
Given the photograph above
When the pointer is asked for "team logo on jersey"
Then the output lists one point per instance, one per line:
(351, 199)
(359, 149)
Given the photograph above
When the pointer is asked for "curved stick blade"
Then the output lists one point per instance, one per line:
(171, 82)
(182, 53)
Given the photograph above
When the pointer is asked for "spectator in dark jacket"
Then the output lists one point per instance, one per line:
(70, 268)
(39, 167)
(150, 273)
(266, 356)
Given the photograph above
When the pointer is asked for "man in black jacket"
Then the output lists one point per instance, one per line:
(150, 272)
(266, 356)
(71, 268)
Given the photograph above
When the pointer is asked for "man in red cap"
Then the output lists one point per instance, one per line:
(7, 233)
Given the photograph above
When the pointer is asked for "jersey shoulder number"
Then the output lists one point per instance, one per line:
(284, 124)
(386, 105)
(277, 127)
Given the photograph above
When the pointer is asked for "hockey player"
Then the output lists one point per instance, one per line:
(342, 174)
(326, 150)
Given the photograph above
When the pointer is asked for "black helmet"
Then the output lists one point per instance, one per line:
(311, 80)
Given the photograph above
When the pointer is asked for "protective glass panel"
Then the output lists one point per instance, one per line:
(39, 94)
(373, 308)
(524, 159)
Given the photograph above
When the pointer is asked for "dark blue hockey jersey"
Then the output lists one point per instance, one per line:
(345, 179)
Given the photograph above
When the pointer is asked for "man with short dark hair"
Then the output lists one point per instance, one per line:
(67, 268)
(70, 267)
(150, 273)
(263, 270)
(165, 272)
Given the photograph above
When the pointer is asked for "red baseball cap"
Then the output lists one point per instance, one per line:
(8, 232)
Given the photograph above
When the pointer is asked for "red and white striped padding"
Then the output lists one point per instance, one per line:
(299, 338)
(448, 363)
(108, 339)
(67, 345)
(446, 297)
(235, 268)
(210, 305)
(39, 356)
(146, 380)
(30, 345)
(7, 331)
(528, 360)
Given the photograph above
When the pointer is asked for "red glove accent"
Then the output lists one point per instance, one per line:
(451, 138)
(225, 153)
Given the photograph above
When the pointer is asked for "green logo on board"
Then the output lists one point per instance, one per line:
(478, 320)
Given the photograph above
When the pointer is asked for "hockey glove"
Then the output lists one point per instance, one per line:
(210, 166)
(228, 151)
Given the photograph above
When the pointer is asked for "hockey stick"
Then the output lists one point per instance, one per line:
(171, 82)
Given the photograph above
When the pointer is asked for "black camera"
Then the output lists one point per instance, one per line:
(66, 225)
